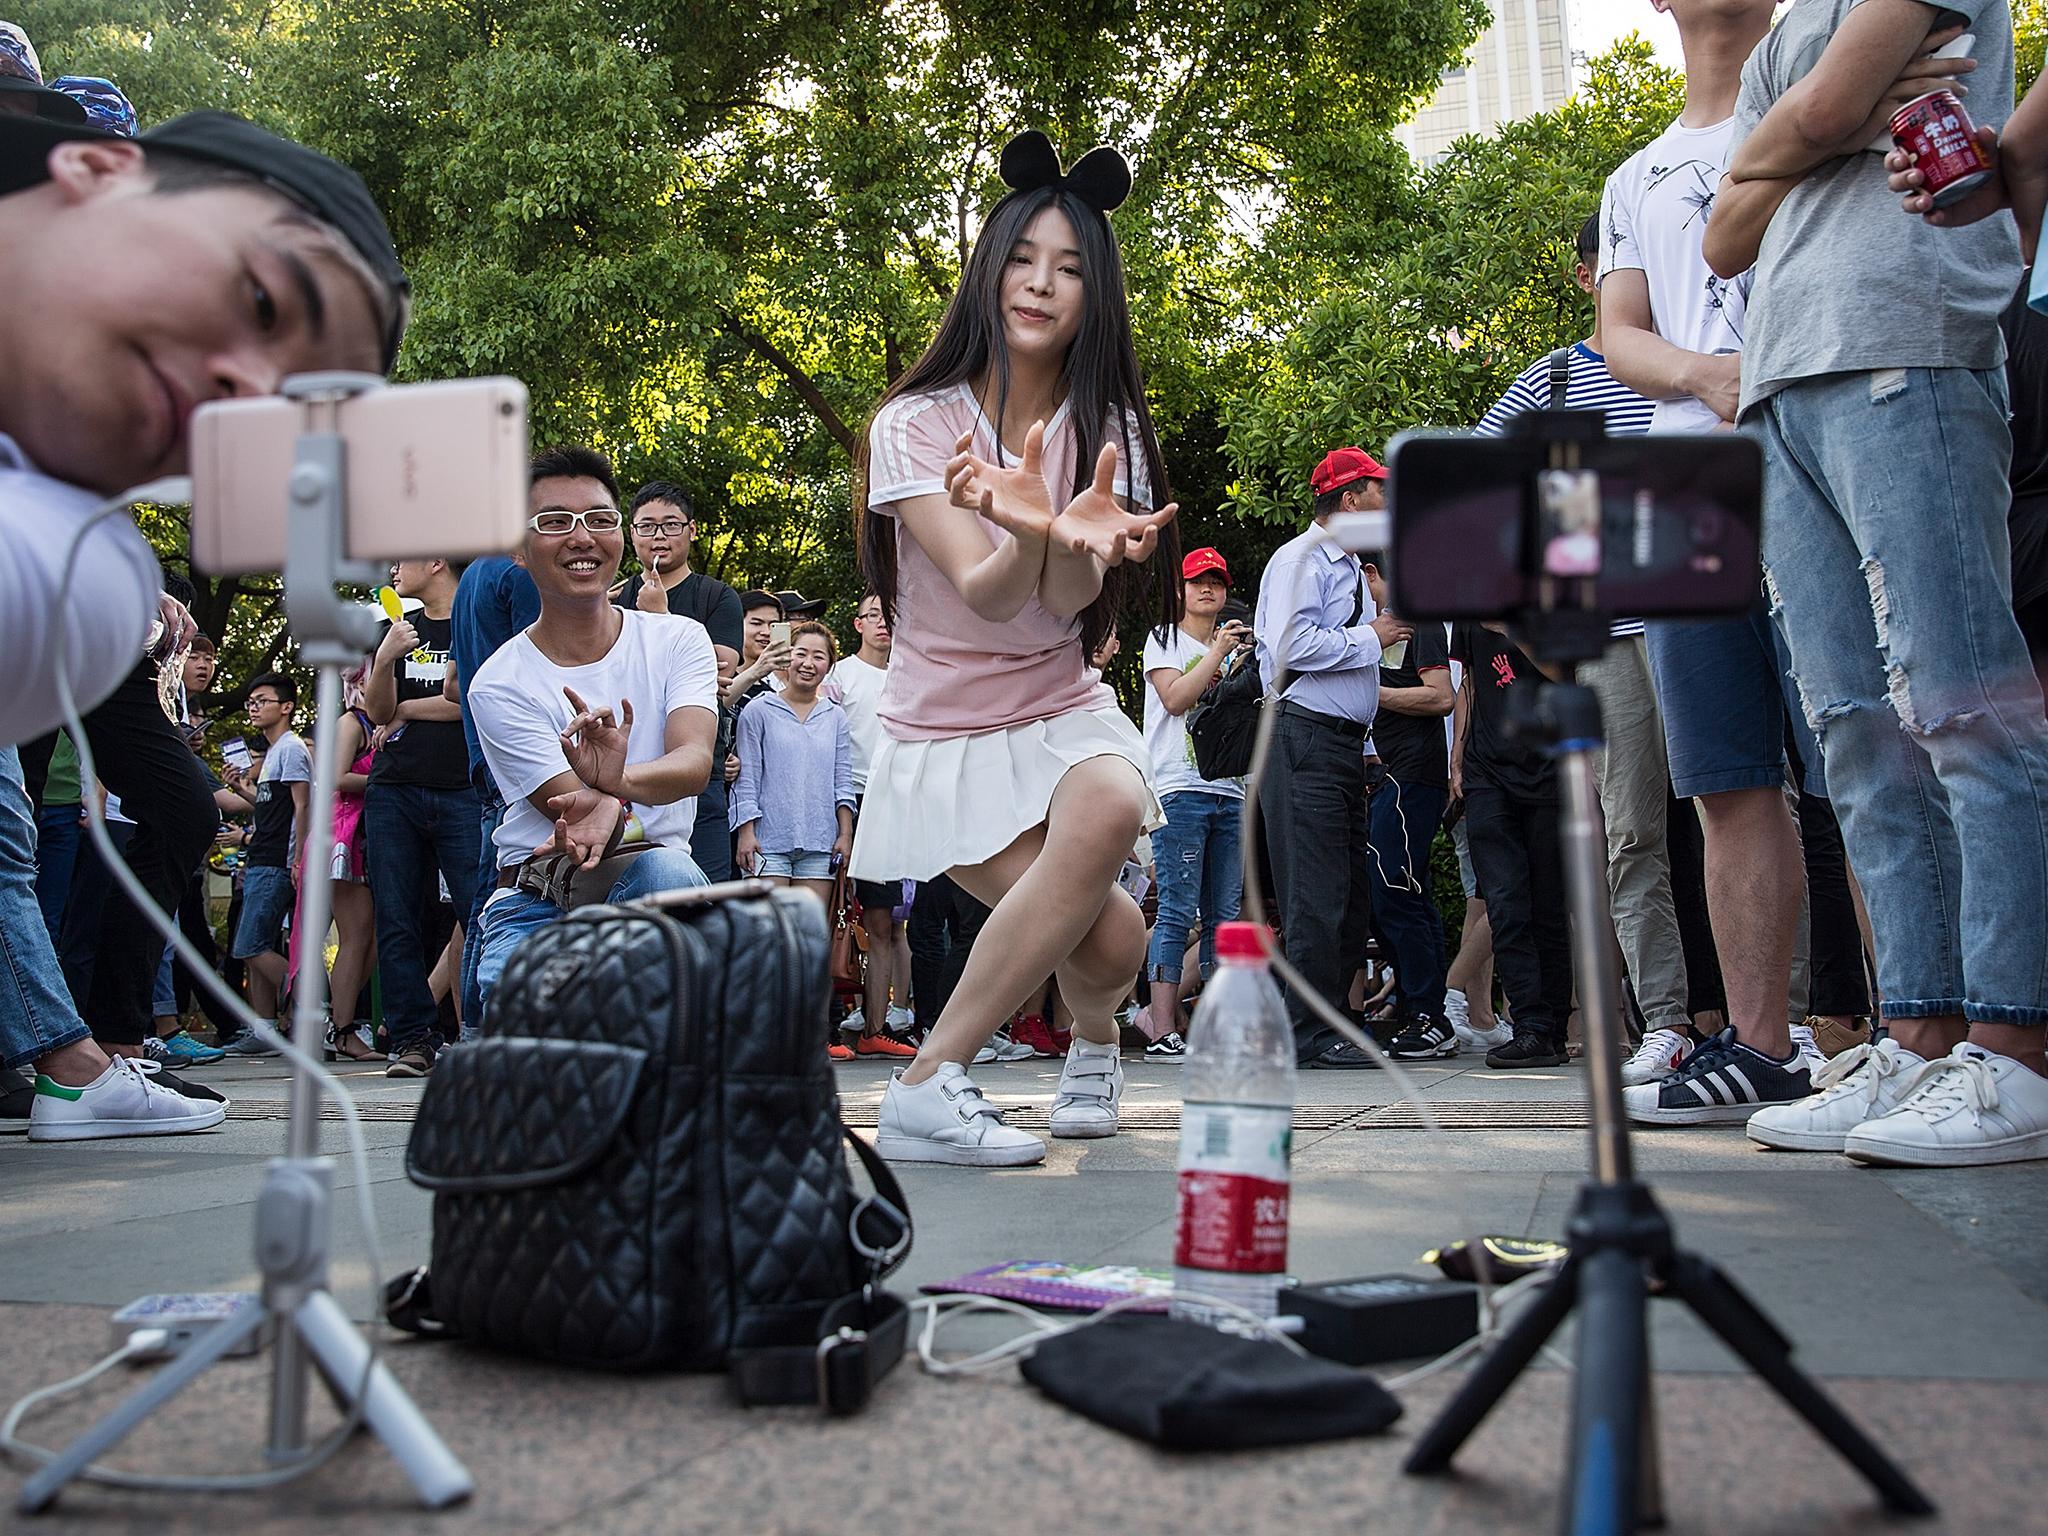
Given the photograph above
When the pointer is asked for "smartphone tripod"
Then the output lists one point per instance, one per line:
(294, 1213)
(1623, 1249)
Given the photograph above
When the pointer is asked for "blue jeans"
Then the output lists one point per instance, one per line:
(510, 916)
(1197, 863)
(58, 835)
(1727, 701)
(36, 1012)
(412, 830)
(1404, 819)
(492, 817)
(1891, 487)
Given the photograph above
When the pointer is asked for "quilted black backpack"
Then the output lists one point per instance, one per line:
(641, 1165)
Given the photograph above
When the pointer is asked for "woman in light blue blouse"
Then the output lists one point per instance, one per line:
(792, 806)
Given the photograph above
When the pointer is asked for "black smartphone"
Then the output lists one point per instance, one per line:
(1664, 526)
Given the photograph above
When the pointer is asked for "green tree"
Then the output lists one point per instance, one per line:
(1472, 282)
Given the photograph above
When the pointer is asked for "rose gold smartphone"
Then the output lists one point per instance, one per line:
(435, 471)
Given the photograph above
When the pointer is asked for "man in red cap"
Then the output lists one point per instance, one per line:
(1195, 855)
(1318, 620)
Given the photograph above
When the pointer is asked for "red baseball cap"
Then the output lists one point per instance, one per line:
(1341, 466)
(1200, 562)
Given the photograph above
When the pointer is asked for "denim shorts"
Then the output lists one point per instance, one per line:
(797, 864)
(266, 898)
(1725, 689)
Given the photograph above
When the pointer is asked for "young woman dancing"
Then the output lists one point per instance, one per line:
(1007, 498)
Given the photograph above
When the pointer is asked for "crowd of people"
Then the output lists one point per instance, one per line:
(1827, 819)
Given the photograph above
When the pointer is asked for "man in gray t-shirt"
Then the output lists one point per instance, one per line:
(1873, 378)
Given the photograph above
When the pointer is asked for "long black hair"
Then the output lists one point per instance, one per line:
(1102, 385)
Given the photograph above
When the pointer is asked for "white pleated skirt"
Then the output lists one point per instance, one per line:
(932, 806)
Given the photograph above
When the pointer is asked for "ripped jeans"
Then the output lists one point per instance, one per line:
(1885, 500)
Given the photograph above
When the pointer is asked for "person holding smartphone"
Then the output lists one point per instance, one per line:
(792, 805)
(1195, 855)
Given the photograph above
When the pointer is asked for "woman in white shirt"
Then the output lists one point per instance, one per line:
(1196, 855)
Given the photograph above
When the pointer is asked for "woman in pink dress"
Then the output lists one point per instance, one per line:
(355, 919)
(1009, 494)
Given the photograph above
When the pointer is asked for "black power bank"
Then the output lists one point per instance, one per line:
(1382, 1317)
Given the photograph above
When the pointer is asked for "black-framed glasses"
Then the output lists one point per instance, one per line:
(254, 700)
(671, 528)
(556, 522)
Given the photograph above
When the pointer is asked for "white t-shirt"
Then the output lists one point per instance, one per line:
(662, 662)
(858, 688)
(113, 597)
(1166, 734)
(1653, 219)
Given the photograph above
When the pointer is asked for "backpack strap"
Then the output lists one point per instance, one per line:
(1560, 376)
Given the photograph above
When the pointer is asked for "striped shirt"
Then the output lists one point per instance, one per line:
(1588, 387)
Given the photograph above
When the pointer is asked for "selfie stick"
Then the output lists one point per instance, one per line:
(1622, 1246)
(294, 1212)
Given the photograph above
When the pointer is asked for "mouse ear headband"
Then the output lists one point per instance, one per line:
(1101, 178)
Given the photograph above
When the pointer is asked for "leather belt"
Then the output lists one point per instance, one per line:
(1351, 728)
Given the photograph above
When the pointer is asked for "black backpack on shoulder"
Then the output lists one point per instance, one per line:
(641, 1164)
(1223, 723)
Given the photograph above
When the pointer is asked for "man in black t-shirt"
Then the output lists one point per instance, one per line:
(1404, 813)
(1512, 821)
(664, 525)
(420, 812)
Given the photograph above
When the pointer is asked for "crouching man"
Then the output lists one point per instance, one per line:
(597, 722)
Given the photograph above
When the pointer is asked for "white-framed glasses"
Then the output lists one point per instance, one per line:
(556, 522)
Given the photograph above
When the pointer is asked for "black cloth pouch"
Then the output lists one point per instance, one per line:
(1188, 1387)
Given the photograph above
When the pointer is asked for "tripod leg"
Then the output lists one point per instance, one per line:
(1494, 1373)
(1613, 1375)
(339, 1351)
(1739, 1324)
(41, 1490)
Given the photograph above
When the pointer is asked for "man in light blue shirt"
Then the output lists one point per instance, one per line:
(1317, 618)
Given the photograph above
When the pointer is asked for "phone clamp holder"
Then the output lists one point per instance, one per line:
(294, 1216)
(1622, 1247)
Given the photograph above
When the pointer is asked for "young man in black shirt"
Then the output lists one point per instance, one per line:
(420, 812)
(1512, 820)
(663, 521)
(1404, 813)
(664, 524)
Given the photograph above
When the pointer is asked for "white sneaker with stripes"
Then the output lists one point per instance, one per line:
(1723, 1082)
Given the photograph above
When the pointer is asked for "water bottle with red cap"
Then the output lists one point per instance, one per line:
(1236, 1133)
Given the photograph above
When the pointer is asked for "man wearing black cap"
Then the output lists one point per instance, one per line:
(1316, 615)
(203, 260)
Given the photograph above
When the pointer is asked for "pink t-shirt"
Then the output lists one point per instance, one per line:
(952, 673)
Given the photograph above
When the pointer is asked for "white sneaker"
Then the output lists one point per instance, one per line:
(1481, 1040)
(854, 1023)
(1457, 1008)
(899, 1019)
(1961, 1110)
(1809, 1049)
(1861, 1084)
(1091, 1086)
(945, 1119)
(121, 1101)
(1001, 1047)
(1656, 1058)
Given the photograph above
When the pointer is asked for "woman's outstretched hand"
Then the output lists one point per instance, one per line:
(1012, 496)
(1096, 523)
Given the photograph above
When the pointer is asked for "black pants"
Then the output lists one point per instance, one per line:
(1312, 803)
(1516, 854)
(192, 922)
(142, 758)
(1685, 841)
(943, 923)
